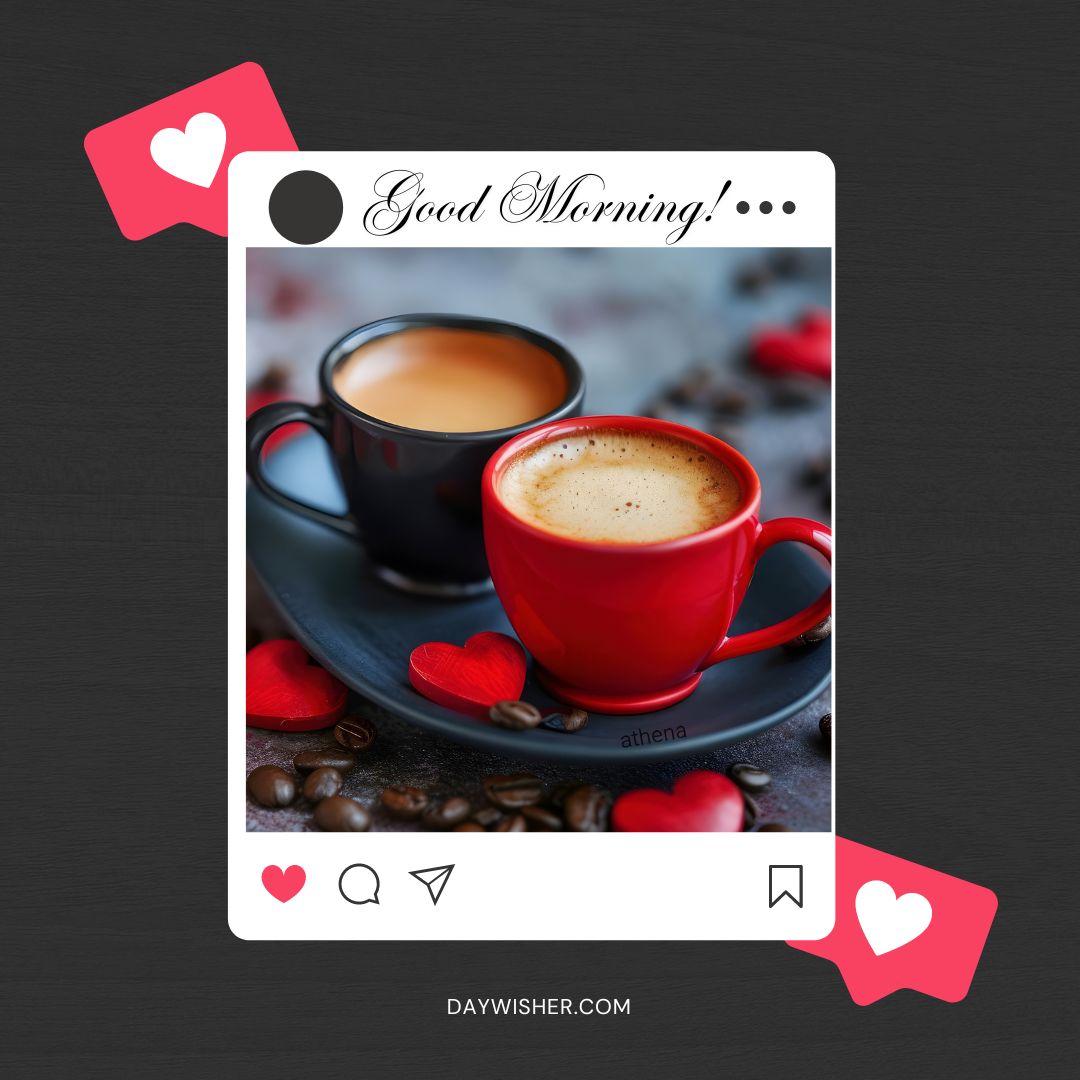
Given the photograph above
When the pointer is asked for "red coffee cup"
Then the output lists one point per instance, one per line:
(629, 628)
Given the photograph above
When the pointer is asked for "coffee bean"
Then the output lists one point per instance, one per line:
(752, 279)
(825, 727)
(786, 264)
(817, 470)
(487, 816)
(270, 786)
(516, 715)
(692, 389)
(561, 792)
(513, 823)
(586, 809)
(339, 814)
(812, 636)
(729, 402)
(355, 733)
(321, 784)
(404, 802)
(541, 820)
(750, 812)
(568, 722)
(275, 379)
(328, 758)
(468, 826)
(514, 791)
(795, 391)
(773, 826)
(447, 814)
(749, 777)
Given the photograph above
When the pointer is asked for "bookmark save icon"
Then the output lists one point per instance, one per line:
(434, 879)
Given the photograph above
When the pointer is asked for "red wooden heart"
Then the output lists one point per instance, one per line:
(288, 691)
(701, 802)
(490, 668)
(806, 350)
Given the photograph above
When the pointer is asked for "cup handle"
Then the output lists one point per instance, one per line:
(804, 531)
(260, 426)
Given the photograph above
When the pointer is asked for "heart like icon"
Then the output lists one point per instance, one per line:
(194, 154)
(281, 884)
(889, 921)
(489, 668)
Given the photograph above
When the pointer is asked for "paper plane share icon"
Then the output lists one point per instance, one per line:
(435, 878)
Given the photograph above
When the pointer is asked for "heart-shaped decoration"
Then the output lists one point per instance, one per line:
(281, 884)
(288, 691)
(701, 801)
(490, 668)
(194, 154)
(889, 921)
(805, 350)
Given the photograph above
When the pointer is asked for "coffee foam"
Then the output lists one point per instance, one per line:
(619, 487)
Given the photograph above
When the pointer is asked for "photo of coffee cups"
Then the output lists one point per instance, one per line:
(621, 548)
(413, 406)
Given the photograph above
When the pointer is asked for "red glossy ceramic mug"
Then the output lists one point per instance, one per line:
(629, 628)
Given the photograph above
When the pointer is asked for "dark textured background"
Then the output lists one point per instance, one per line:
(957, 444)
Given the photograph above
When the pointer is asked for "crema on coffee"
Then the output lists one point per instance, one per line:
(619, 487)
(442, 379)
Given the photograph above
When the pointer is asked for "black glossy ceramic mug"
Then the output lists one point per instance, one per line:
(414, 494)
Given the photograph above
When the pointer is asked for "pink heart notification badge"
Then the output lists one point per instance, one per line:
(169, 162)
(900, 926)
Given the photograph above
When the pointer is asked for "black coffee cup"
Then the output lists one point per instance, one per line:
(413, 496)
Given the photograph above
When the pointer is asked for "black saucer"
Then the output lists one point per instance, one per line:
(363, 631)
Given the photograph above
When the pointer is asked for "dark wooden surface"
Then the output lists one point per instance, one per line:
(956, 515)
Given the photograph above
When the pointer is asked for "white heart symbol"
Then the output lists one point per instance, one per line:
(193, 154)
(888, 920)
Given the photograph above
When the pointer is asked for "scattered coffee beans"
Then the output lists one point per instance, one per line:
(447, 814)
(513, 823)
(404, 802)
(586, 809)
(355, 733)
(749, 777)
(541, 820)
(321, 784)
(270, 786)
(825, 727)
(514, 791)
(516, 715)
(812, 636)
(339, 814)
(773, 826)
(469, 826)
(329, 758)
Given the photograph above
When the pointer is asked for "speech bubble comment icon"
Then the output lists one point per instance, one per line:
(902, 926)
(359, 884)
(168, 162)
